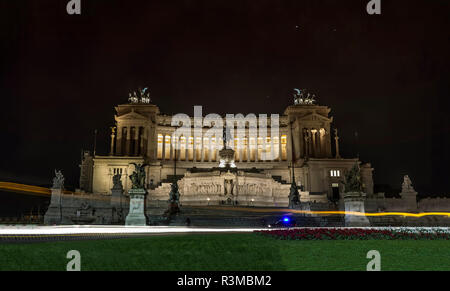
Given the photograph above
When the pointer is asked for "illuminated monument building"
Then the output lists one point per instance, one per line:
(305, 139)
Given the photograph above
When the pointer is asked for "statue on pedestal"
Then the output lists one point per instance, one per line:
(58, 180)
(174, 200)
(136, 214)
(294, 196)
(353, 180)
(409, 194)
(354, 198)
(117, 181)
(138, 176)
(407, 184)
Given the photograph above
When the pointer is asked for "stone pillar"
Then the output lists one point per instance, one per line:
(203, 150)
(54, 211)
(141, 143)
(247, 148)
(136, 214)
(116, 203)
(217, 150)
(128, 141)
(322, 134)
(280, 156)
(354, 209)
(119, 141)
(336, 139)
(145, 140)
(111, 152)
(240, 148)
(171, 148)
(296, 140)
(178, 148)
(310, 143)
(302, 142)
(163, 156)
(289, 143)
(314, 143)
(136, 140)
(257, 149)
(305, 137)
(187, 149)
(210, 150)
(194, 150)
(317, 143)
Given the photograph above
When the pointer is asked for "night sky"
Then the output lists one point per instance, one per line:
(385, 76)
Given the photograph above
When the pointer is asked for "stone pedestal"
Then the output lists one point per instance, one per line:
(116, 197)
(54, 212)
(354, 202)
(409, 195)
(136, 215)
(116, 205)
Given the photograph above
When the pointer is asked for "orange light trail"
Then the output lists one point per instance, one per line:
(27, 189)
(422, 214)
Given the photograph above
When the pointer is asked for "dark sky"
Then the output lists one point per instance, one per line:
(384, 76)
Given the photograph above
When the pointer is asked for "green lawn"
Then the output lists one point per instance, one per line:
(225, 252)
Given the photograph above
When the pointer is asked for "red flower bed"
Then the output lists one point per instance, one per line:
(353, 234)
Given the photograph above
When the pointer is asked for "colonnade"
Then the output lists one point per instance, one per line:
(206, 149)
(314, 142)
(130, 141)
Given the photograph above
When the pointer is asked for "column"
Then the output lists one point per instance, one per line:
(256, 149)
(289, 143)
(145, 140)
(194, 149)
(119, 141)
(240, 147)
(218, 148)
(111, 152)
(314, 143)
(128, 141)
(171, 148)
(317, 143)
(248, 149)
(141, 141)
(301, 138)
(272, 149)
(310, 148)
(209, 149)
(322, 142)
(336, 138)
(186, 154)
(307, 142)
(202, 151)
(163, 156)
(136, 140)
(178, 148)
(280, 153)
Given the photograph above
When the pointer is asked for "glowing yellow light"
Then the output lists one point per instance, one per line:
(422, 214)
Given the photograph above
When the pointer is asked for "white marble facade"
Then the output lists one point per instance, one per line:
(143, 135)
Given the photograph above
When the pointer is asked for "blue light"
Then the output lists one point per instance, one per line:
(286, 219)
